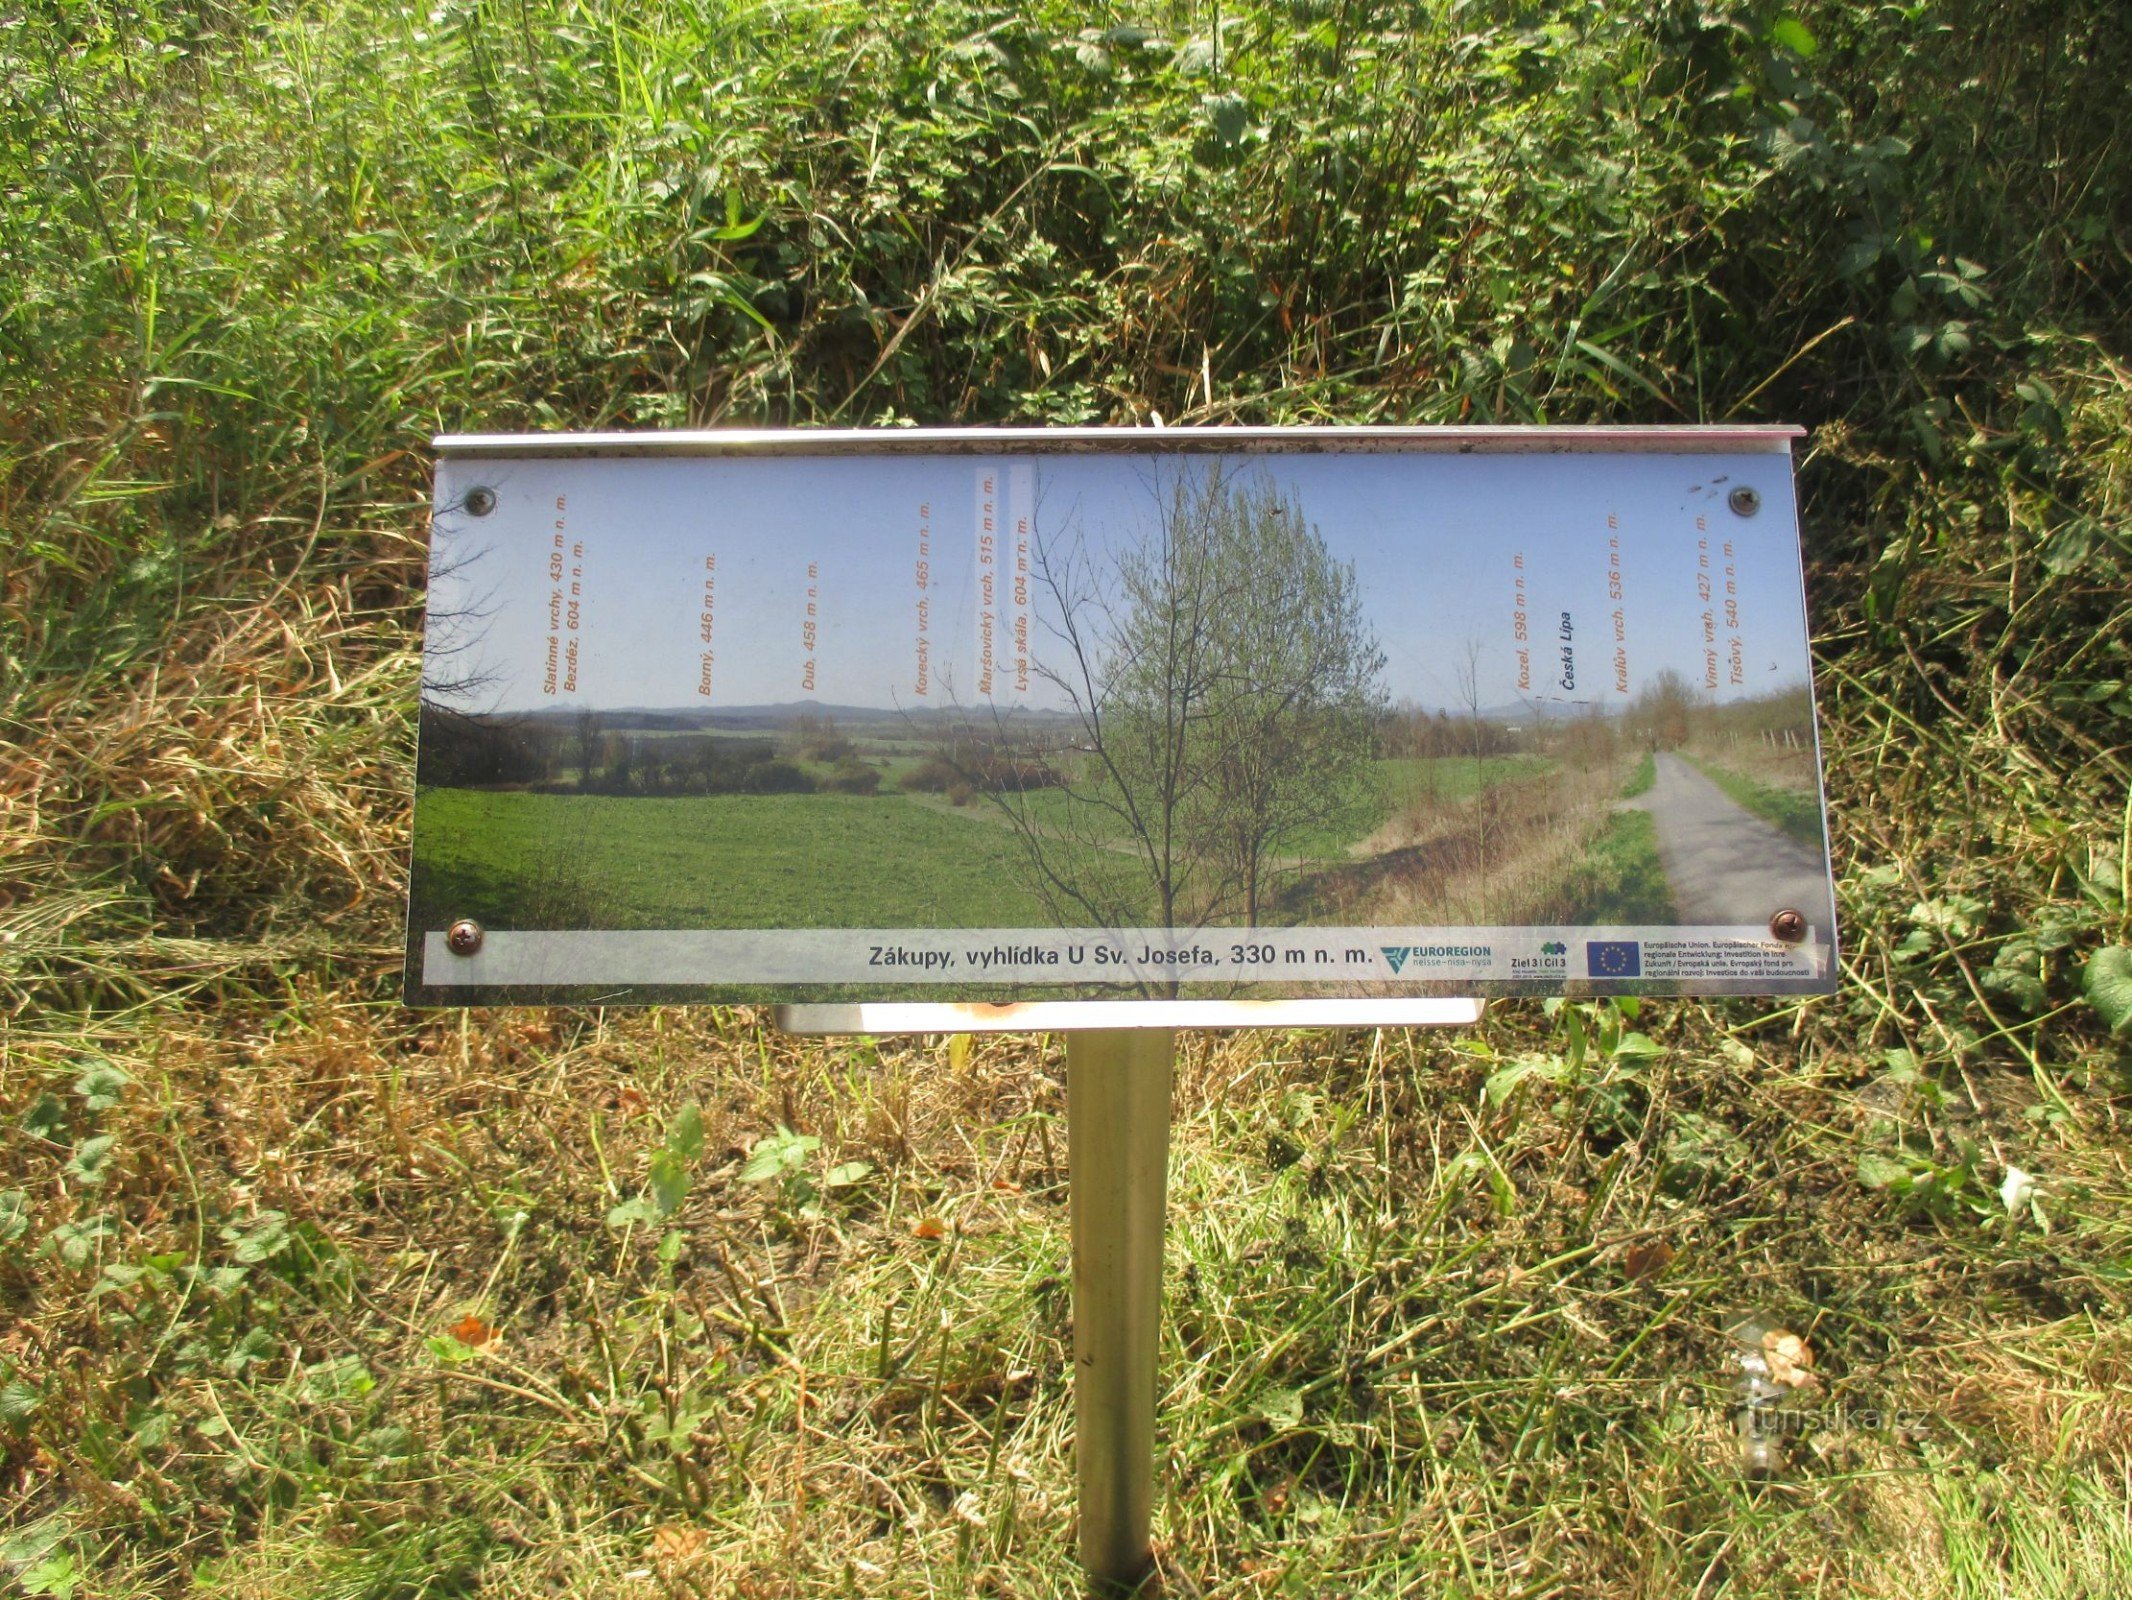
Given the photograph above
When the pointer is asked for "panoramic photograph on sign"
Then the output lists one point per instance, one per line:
(1117, 722)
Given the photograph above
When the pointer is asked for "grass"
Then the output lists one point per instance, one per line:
(1372, 1333)
(1642, 778)
(512, 859)
(1418, 779)
(723, 861)
(1620, 880)
(1420, 1339)
(1797, 812)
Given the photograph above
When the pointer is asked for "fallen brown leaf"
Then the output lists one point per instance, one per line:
(1790, 1361)
(1647, 1260)
(672, 1542)
(472, 1332)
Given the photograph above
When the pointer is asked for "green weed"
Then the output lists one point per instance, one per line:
(1642, 778)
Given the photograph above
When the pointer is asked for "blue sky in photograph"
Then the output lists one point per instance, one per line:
(1653, 569)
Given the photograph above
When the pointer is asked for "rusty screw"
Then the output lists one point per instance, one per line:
(1745, 501)
(480, 500)
(464, 936)
(1789, 926)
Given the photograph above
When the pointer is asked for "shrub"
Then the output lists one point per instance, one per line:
(776, 777)
(935, 776)
(851, 776)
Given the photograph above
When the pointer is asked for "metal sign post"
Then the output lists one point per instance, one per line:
(1120, 1070)
(1118, 1149)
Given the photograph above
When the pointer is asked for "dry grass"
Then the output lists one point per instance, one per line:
(1406, 1352)
(1498, 857)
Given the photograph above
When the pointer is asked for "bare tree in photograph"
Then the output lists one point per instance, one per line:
(1297, 700)
(586, 732)
(1479, 745)
(1223, 685)
(1661, 712)
(461, 741)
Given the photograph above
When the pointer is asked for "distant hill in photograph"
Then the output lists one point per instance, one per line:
(770, 718)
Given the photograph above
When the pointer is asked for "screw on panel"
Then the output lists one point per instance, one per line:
(480, 500)
(463, 936)
(1745, 502)
(1789, 926)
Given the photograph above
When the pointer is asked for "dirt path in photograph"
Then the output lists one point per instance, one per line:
(1725, 864)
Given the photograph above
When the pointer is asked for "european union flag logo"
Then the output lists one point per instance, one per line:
(1613, 958)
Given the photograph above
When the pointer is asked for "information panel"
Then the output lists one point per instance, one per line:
(1049, 714)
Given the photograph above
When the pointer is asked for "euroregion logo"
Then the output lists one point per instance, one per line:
(1398, 955)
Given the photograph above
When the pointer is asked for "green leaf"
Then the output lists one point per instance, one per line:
(92, 1160)
(46, 1117)
(118, 1275)
(1505, 1081)
(18, 1399)
(1700, 1148)
(736, 227)
(667, 1182)
(1877, 1171)
(58, 1575)
(101, 1085)
(154, 1428)
(684, 1135)
(265, 1239)
(846, 1173)
(256, 1345)
(14, 1215)
(27, 1546)
(450, 1352)
(75, 1242)
(2107, 982)
(775, 1154)
(641, 1209)
(1794, 36)
(1283, 1408)
(2071, 544)
(1228, 115)
(223, 1282)
(340, 1378)
(1860, 255)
